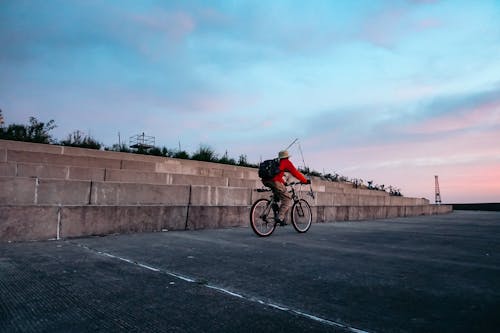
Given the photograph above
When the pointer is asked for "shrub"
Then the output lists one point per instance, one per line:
(79, 139)
(227, 160)
(205, 153)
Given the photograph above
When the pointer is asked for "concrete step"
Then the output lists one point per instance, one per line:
(63, 172)
(35, 191)
(31, 152)
(48, 161)
(13, 151)
(29, 191)
(50, 171)
(43, 222)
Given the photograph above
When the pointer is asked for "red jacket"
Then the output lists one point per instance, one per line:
(287, 166)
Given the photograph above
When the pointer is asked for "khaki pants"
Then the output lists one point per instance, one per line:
(279, 190)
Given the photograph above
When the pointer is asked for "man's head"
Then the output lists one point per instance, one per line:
(283, 154)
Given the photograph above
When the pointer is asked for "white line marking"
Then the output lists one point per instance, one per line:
(231, 293)
(149, 267)
(225, 291)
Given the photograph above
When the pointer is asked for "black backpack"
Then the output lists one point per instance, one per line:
(269, 168)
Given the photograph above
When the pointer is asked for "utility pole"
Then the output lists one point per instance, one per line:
(438, 193)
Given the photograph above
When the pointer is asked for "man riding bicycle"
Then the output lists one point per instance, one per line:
(277, 185)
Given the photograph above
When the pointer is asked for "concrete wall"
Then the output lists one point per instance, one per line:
(35, 222)
(53, 192)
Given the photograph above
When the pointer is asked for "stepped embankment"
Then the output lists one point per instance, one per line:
(55, 192)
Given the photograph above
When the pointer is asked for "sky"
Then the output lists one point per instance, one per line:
(393, 91)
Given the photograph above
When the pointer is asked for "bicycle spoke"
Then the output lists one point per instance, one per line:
(301, 216)
(260, 216)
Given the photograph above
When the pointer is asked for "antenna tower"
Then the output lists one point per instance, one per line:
(438, 193)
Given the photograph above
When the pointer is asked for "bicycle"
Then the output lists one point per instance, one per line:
(264, 210)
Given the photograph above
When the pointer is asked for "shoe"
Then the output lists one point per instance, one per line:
(279, 221)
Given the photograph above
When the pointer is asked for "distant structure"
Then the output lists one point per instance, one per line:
(142, 141)
(438, 193)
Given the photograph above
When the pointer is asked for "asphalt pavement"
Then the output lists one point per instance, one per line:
(436, 273)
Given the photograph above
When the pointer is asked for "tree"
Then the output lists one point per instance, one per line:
(36, 131)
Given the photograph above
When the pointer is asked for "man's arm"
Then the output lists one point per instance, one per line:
(296, 173)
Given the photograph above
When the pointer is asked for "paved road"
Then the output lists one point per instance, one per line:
(419, 274)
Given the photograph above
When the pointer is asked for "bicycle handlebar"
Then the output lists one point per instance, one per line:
(311, 193)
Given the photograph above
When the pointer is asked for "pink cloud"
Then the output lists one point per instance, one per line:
(486, 114)
(468, 165)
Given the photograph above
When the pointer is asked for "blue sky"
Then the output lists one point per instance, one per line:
(391, 91)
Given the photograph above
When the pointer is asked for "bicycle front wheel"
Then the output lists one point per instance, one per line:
(262, 218)
(301, 216)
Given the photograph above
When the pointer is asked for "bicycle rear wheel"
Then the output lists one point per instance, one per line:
(301, 216)
(262, 218)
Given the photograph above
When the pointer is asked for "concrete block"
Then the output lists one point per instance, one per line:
(333, 187)
(178, 179)
(371, 200)
(56, 159)
(324, 199)
(255, 195)
(445, 209)
(396, 201)
(169, 166)
(240, 182)
(210, 217)
(63, 192)
(108, 193)
(220, 196)
(3, 155)
(341, 213)
(79, 173)
(318, 188)
(345, 199)
(134, 176)
(210, 171)
(17, 191)
(350, 213)
(25, 223)
(101, 220)
(232, 196)
(74, 151)
(231, 171)
(85, 152)
(413, 211)
(138, 165)
(371, 212)
(45, 171)
(29, 146)
(250, 173)
(395, 211)
(7, 169)
(353, 213)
